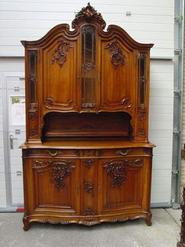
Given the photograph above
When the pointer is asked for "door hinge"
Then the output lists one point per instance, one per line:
(178, 52)
(176, 131)
(177, 92)
(178, 19)
(175, 172)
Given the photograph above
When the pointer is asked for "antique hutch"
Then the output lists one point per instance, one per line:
(87, 158)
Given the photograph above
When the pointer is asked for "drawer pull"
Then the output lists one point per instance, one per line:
(53, 154)
(122, 153)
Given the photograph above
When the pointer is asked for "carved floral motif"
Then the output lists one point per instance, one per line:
(61, 170)
(60, 53)
(117, 169)
(88, 14)
(117, 57)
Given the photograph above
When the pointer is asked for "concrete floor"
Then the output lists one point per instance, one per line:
(163, 233)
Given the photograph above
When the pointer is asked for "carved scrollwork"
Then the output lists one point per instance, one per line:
(89, 163)
(88, 14)
(88, 187)
(60, 53)
(88, 66)
(38, 164)
(117, 169)
(117, 57)
(89, 211)
(126, 103)
(49, 101)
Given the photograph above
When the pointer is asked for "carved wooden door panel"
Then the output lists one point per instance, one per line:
(55, 184)
(117, 76)
(60, 76)
(122, 184)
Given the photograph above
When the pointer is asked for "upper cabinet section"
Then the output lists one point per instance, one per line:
(88, 69)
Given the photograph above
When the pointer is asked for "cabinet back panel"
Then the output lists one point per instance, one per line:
(87, 124)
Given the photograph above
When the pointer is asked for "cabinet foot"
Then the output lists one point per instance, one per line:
(148, 219)
(26, 224)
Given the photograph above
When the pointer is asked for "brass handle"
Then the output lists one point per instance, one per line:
(123, 153)
(53, 154)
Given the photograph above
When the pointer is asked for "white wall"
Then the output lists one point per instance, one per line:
(161, 128)
(150, 21)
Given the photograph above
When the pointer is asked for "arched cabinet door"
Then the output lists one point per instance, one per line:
(60, 74)
(117, 75)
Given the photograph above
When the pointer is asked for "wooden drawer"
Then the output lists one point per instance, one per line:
(51, 153)
(124, 152)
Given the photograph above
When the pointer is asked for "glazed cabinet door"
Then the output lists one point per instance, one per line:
(117, 76)
(122, 184)
(52, 185)
(60, 67)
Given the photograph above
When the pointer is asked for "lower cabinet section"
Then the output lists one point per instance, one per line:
(86, 189)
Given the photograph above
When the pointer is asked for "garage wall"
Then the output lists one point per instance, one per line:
(146, 21)
(149, 21)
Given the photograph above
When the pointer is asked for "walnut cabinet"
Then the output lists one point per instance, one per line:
(87, 158)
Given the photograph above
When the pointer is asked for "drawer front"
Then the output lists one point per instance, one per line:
(51, 153)
(124, 152)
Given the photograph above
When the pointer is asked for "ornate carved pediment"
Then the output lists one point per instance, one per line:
(88, 14)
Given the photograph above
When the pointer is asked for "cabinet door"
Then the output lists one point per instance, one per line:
(117, 76)
(122, 184)
(52, 184)
(60, 75)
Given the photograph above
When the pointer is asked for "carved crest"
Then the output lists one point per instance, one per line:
(88, 14)
(117, 57)
(60, 53)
